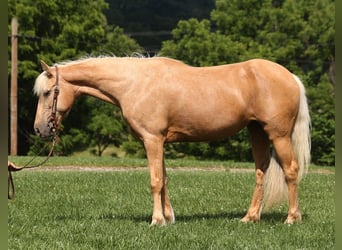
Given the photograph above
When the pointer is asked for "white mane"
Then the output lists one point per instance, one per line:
(40, 85)
(86, 58)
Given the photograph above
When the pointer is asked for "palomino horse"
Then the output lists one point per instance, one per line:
(164, 100)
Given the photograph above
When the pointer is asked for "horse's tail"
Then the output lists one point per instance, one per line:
(275, 188)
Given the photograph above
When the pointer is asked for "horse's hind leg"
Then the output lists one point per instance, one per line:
(290, 167)
(261, 155)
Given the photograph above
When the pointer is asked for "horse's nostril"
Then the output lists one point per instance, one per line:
(37, 131)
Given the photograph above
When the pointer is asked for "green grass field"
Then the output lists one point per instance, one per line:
(112, 210)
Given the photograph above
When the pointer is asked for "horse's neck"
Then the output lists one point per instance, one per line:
(105, 80)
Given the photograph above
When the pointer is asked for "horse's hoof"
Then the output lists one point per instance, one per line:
(159, 222)
(248, 218)
(297, 217)
(245, 219)
(171, 217)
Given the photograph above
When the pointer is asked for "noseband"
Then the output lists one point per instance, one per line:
(52, 122)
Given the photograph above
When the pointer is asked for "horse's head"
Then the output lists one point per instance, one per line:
(56, 97)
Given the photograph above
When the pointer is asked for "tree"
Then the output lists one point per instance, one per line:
(195, 44)
(103, 129)
(323, 122)
(295, 33)
(54, 31)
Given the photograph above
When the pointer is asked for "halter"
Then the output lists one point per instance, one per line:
(53, 126)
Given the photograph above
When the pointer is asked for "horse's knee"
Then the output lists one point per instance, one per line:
(291, 172)
(287, 159)
(259, 177)
(156, 185)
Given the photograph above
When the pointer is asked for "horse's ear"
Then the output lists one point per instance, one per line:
(46, 68)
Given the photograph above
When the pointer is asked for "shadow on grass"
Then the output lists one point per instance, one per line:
(269, 217)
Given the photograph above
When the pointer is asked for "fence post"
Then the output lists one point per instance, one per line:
(14, 87)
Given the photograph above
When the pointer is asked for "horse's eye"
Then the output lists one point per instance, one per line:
(46, 93)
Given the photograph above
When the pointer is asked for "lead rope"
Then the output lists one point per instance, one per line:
(13, 168)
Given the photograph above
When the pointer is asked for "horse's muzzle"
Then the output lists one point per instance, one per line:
(43, 132)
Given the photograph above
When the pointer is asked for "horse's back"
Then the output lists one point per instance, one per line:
(250, 86)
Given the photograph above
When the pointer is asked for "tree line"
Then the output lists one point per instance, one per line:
(298, 34)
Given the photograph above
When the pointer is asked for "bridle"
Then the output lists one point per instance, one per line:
(53, 126)
(52, 122)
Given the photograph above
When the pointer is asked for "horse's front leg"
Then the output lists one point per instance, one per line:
(166, 203)
(162, 210)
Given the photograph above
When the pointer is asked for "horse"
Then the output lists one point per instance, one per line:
(164, 100)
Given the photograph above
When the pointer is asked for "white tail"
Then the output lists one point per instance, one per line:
(275, 188)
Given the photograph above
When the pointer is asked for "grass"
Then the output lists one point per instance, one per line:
(108, 161)
(117, 161)
(112, 210)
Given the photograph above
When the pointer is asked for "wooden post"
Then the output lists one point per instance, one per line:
(14, 87)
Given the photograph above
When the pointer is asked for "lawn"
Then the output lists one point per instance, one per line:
(112, 210)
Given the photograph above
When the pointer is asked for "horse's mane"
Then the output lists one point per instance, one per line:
(40, 84)
(134, 55)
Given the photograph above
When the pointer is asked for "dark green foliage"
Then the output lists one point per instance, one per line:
(132, 147)
(195, 44)
(323, 122)
(105, 125)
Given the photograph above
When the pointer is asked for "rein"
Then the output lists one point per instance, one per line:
(53, 126)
